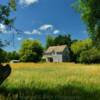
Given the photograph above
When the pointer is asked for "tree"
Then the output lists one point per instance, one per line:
(63, 40)
(80, 46)
(58, 40)
(90, 13)
(2, 56)
(12, 56)
(31, 51)
(90, 56)
(49, 41)
(5, 11)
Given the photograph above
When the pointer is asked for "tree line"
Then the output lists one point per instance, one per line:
(81, 51)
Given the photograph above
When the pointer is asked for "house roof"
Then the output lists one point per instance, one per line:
(56, 49)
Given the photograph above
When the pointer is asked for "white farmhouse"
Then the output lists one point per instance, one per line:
(57, 54)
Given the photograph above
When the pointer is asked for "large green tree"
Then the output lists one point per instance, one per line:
(80, 46)
(31, 51)
(2, 56)
(12, 56)
(49, 41)
(5, 12)
(90, 13)
(63, 40)
(58, 40)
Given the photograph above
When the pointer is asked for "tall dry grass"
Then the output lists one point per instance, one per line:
(52, 81)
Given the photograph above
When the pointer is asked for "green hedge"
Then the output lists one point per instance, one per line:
(90, 56)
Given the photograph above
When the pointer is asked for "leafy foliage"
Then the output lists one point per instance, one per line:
(49, 41)
(63, 40)
(12, 56)
(90, 13)
(90, 56)
(2, 56)
(58, 40)
(12, 4)
(5, 11)
(79, 46)
(31, 51)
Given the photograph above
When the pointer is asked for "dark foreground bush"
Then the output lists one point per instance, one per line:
(90, 56)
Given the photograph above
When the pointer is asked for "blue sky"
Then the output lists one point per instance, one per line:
(38, 18)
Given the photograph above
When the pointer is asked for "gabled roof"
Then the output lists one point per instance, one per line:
(56, 49)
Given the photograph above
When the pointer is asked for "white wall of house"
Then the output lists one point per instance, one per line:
(56, 57)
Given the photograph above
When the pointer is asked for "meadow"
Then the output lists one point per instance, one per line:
(52, 81)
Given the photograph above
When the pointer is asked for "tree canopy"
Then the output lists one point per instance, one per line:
(31, 51)
(90, 13)
(5, 12)
(58, 40)
(79, 46)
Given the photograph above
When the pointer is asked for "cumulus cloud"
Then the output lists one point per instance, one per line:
(36, 31)
(56, 31)
(30, 38)
(19, 38)
(28, 32)
(28, 2)
(5, 30)
(46, 27)
(2, 28)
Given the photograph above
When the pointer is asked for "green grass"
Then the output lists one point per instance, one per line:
(56, 81)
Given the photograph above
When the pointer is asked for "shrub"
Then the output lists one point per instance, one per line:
(2, 55)
(31, 51)
(90, 56)
(80, 46)
(12, 56)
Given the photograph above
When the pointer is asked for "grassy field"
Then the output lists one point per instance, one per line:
(56, 81)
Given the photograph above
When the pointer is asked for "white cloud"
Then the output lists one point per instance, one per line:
(56, 31)
(30, 38)
(19, 38)
(5, 30)
(28, 32)
(2, 28)
(36, 31)
(46, 27)
(28, 2)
